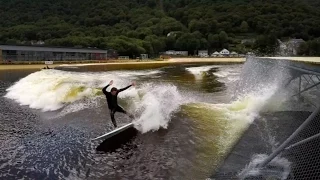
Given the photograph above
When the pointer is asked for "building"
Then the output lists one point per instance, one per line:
(181, 53)
(234, 54)
(177, 53)
(170, 52)
(203, 53)
(42, 53)
(215, 54)
(224, 52)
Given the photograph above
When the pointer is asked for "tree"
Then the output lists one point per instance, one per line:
(143, 26)
(314, 47)
(244, 27)
(266, 44)
(223, 39)
(199, 25)
(170, 42)
(188, 42)
(303, 49)
(157, 44)
(213, 41)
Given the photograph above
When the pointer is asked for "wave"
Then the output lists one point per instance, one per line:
(156, 106)
(221, 125)
(69, 92)
(198, 71)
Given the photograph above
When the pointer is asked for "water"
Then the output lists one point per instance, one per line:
(187, 119)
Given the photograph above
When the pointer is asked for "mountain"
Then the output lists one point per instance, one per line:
(133, 27)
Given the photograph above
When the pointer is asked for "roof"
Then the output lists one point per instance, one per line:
(224, 50)
(297, 40)
(50, 49)
(233, 52)
(216, 52)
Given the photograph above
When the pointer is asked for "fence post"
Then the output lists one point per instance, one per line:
(293, 135)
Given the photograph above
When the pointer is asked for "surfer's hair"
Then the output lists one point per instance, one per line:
(114, 89)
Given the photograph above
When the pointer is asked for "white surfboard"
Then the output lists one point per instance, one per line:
(114, 132)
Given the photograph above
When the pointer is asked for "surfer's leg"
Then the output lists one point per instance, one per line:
(112, 117)
(120, 109)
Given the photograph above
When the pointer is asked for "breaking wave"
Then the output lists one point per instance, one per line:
(67, 92)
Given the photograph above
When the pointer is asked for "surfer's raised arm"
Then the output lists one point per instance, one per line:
(133, 84)
(104, 90)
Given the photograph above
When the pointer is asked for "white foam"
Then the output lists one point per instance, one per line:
(48, 91)
(135, 73)
(226, 73)
(197, 71)
(157, 105)
(248, 106)
(229, 74)
(283, 168)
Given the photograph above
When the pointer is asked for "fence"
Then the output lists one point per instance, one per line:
(282, 144)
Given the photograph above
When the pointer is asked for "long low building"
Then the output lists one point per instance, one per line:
(42, 53)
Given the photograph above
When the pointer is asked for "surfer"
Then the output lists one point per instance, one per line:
(113, 102)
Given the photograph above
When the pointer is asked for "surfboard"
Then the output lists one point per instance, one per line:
(114, 132)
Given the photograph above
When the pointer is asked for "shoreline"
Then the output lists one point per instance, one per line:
(131, 64)
(116, 64)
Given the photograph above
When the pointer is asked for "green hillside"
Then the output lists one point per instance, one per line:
(133, 27)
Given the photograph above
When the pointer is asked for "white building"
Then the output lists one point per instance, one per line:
(215, 54)
(234, 54)
(173, 52)
(224, 52)
(170, 52)
(203, 53)
(182, 53)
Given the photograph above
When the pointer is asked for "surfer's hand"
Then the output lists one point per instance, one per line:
(111, 82)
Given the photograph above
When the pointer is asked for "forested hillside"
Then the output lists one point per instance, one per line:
(133, 27)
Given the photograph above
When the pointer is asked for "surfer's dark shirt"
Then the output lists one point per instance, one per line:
(113, 99)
